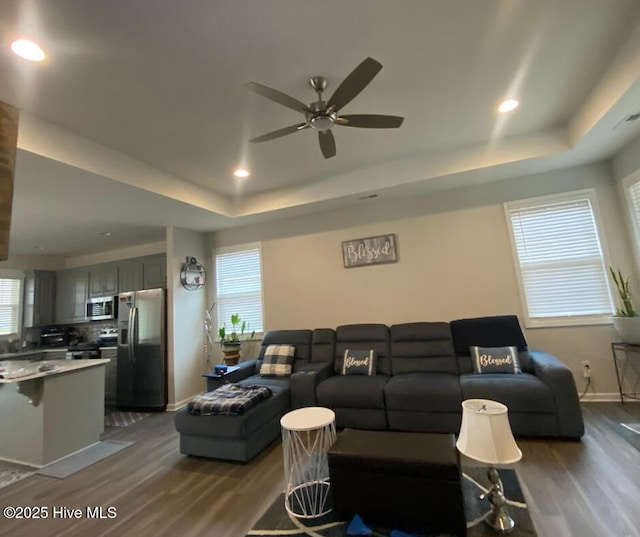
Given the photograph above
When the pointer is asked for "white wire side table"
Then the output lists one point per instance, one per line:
(307, 435)
(626, 358)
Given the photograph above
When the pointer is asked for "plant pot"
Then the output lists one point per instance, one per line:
(231, 354)
(628, 328)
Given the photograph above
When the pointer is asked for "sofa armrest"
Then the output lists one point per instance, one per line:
(247, 369)
(305, 381)
(558, 377)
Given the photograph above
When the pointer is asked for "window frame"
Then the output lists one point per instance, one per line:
(632, 223)
(19, 276)
(231, 250)
(569, 320)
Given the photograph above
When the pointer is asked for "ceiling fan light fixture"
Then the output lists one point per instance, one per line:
(28, 50)
(241, 173)
(322, 123)
(508, 106)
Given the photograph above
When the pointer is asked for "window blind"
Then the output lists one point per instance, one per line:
(560, 259)
(239, 288)
(634, 197)
(9, 305)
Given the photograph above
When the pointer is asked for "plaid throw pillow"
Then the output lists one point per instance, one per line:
(277, 361)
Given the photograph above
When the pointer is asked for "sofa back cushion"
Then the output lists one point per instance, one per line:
(300, 339)
(497, 331)
(323, 345)
(364, 337)
(422, 348)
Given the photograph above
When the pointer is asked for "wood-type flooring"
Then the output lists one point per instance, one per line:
(574, 489)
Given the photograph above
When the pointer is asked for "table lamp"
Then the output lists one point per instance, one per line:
(485, 436)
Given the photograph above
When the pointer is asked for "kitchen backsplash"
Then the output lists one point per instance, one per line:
(89, 331)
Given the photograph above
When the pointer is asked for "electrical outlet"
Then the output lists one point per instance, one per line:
(586, 369)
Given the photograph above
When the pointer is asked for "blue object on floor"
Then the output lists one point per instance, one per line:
(398, 533)
(358, 527)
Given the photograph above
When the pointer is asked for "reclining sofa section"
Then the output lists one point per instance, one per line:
(424, 372)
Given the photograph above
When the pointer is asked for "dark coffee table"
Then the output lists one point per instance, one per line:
(408, 481)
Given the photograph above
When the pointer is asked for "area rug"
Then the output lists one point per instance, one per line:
(276, 521)
(12, 473)
(118, 418)
(83, 459)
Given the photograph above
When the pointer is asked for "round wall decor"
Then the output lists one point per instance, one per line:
(193, 276)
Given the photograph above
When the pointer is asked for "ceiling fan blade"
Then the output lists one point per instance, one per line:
(355, 82)
(371, 121)
(280, 132)
(277, 96)
(327, 144)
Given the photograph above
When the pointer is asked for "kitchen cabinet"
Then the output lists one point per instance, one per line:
(39, 298)
(103, 280)
(155, 271)
(110, 375)
(71, 296)
(130, 275)
(51, 354)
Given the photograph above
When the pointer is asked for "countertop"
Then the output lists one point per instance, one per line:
(30, 369)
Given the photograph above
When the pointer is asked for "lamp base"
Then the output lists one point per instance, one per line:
(499, 519)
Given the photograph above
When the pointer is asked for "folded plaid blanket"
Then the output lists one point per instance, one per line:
(228, 400)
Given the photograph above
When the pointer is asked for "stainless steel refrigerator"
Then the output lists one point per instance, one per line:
(142, 358)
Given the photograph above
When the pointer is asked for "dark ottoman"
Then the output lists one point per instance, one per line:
(397, 480)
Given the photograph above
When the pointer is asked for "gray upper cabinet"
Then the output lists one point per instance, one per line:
(74, 286)
(71, 296)
(130, 275)
(39, 298)
(103, 280)
(155, 271)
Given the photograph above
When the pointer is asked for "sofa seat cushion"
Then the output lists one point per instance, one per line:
(352, 391)
(277, 384)
(424, 392)
(521, 393)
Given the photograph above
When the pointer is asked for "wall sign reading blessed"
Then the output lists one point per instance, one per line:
(369, 251)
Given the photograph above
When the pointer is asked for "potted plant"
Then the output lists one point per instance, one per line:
(625, 320)
(232, 340)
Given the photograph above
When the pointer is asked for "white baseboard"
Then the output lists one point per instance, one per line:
(172, 407)
(613, 397)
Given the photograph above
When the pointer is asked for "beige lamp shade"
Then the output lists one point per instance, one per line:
(485, 434)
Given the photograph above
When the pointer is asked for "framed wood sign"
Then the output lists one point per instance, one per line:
(369, 251)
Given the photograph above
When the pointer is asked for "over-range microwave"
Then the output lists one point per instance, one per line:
(102, 308)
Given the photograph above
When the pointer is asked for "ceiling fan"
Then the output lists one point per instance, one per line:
(324, 115)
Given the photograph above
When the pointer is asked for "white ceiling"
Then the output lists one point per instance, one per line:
(138, 116)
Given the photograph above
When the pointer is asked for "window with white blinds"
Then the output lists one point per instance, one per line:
(238, 277)
(633, 196)
(9, 306)
(560, 261)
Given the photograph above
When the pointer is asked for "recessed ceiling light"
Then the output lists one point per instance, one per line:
(508, 105)
(241, 172)
(105, 233)
(28, 50)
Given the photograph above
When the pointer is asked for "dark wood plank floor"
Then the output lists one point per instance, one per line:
(574, 489)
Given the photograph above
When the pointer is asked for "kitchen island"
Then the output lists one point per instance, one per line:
(50, 409)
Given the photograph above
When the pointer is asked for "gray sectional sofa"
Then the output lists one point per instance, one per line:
(424, 372)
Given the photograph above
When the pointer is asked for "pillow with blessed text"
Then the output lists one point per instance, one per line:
(495, 359)
(359, 362)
